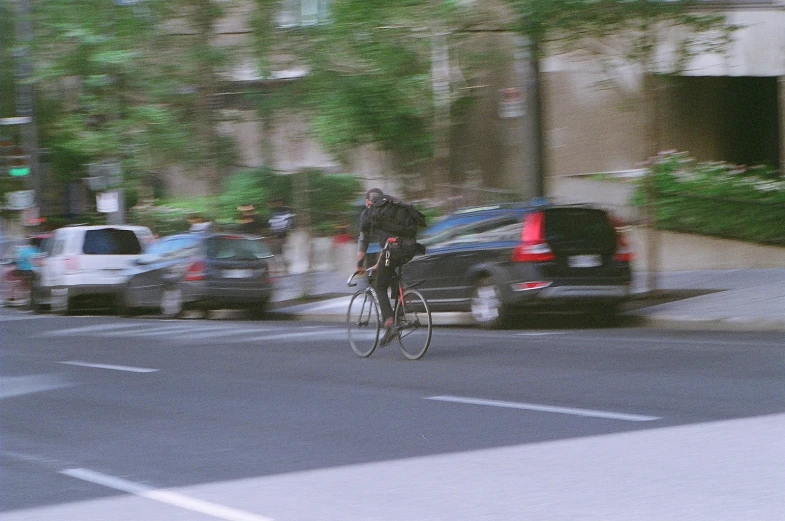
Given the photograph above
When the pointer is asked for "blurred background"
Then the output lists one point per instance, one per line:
(670, 114)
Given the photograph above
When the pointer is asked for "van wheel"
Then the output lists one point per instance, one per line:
(487, 308)
(172, 303)
(60, 302)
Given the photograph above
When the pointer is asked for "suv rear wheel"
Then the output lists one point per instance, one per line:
(486, 304)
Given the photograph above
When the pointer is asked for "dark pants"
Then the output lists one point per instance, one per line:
(396, 252)
(384, 280)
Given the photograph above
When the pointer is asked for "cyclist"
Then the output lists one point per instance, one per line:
(397, 250)
(26, 257)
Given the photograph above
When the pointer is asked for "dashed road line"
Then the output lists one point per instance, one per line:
(546, 408)
(95, 328)
(20, 385)
(112, 367)
(168, 497)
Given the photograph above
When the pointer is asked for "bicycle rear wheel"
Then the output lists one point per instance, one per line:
(414, 324)
(363, 323)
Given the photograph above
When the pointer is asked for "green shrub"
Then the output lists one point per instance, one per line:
(716, 198)
(329, 200)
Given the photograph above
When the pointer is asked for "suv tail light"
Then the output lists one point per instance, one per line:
(623, 251)
(533, 247)
(195, 271)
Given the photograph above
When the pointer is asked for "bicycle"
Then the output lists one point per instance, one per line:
(412, 319)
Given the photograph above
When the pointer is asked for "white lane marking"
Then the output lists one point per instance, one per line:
(87, 329)
(547, 408)
(110, 366)
(162, 330)
(326, 335)
(9, 318)
(230, 332)
(21, 385)
(164, 496)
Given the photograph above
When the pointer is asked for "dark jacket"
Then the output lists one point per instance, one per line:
(368, 233)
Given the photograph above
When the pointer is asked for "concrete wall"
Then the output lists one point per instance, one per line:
(684, 252)
(676, 251)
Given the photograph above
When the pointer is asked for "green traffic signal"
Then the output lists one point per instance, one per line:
(19, 171)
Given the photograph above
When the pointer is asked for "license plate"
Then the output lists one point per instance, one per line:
(585, 261)
(238, 274)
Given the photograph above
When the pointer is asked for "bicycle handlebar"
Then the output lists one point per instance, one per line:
(350, 281)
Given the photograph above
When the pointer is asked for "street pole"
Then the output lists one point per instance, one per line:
(440, 83)
(24, 93)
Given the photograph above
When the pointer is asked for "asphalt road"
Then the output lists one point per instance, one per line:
(109, 418)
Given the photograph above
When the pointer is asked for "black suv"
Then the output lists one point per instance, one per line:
(494, 260)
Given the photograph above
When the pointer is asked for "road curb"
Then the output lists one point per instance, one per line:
(729, 324)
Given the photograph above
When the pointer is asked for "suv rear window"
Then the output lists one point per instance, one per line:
(111, 241)
(238, 248)
(579, 226)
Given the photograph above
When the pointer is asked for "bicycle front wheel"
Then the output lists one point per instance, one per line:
(363, 323)
(414, 324)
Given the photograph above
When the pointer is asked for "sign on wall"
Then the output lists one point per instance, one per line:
(511, 103)
(20, 199)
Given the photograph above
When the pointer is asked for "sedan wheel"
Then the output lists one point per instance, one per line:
(486, 305)
(172, 303)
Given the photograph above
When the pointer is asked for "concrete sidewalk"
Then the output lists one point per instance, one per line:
(727, 300)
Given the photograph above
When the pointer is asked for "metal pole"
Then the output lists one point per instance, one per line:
(24, 92)
(440, 83)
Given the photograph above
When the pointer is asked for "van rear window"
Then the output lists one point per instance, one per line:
(111, 241)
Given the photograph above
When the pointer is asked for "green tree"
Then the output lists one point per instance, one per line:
(131, 80)
(101, 85)
(380, 73)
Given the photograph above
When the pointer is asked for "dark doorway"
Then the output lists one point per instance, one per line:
(733, 119)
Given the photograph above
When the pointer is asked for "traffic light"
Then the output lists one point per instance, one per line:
(15, 160)
(19, 163)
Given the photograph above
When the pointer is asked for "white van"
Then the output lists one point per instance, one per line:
(81, 262)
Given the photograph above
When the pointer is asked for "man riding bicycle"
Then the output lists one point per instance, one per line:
(396, 224)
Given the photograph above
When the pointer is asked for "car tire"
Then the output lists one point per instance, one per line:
(608, 315)
(487, 309)
(60, 303)
(171, 303)
(124, 309)
(35, 300)
(258, 311)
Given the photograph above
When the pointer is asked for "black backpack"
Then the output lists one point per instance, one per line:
(396, 217)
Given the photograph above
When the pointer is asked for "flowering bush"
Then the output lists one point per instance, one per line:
(715, 198)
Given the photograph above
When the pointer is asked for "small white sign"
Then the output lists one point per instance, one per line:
(20, 199)
(108, 202)
(17, 120)
(511, 103)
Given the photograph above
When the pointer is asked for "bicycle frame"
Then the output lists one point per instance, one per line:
(407, 322)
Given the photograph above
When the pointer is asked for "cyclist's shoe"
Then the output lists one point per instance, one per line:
(389, 332)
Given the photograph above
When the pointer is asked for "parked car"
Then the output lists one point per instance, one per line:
(496, 261)
(201, 271)
(85, 263)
